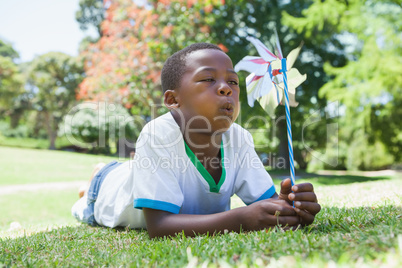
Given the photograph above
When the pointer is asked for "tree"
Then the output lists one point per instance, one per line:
(235, 20)
(90, 14)
(54, 77)
(369, 86)
(124, 65)
(6, 50)
(11, 85)
(97, 125)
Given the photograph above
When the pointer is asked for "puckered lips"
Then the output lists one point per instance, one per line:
(227, 109)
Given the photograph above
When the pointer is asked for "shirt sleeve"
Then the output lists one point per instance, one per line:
(155, 179)
(253, 183)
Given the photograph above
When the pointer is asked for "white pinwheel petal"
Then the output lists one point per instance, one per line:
(295, 79)
(292, 56)
(278, 79)
(249, 78)
(292, 96)
(258, 87)
(252, 65)
(269, 102)
(262, 49)
(256, 94)
(251, 89)
(292, 100)
(277, 64)
(266, 85)
(278, 46)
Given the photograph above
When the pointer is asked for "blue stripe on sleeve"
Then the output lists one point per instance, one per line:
(268, 194)
(156, 204)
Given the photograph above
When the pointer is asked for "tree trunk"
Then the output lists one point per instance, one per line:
(15, 117)
(283, 143)
(51, 130)
(125, 147)
(300, 158)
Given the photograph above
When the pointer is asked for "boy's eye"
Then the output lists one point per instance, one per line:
(234, 82)
(208, 80)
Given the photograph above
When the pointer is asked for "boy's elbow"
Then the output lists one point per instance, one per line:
(154, 232)
(157, 226)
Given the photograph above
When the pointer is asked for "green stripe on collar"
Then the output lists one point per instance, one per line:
(213, 187)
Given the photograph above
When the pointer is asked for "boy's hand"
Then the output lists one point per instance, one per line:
(304, 198)
(268, 213)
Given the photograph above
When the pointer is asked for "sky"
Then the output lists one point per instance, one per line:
(35, 27)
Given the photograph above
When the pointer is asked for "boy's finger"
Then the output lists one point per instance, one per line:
(306, 196)
(303, 187)
(283, 210)
(306, 217)
(286, 185)
(311, 207)
(288, 220)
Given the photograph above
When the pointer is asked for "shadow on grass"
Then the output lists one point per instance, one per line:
(321, 179)
(345, 179)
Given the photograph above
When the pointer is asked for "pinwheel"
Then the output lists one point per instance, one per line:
(272, 81)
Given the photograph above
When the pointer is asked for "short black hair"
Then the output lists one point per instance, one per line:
(175, 66)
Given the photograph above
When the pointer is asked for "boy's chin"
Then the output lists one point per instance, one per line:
(222, 128)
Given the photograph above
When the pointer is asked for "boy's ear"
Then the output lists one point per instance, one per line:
(171, 100)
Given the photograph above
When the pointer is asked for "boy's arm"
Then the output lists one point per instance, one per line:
(304, 198)
(263, 214)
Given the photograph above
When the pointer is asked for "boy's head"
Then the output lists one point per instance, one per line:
(201, 88)
(175, 66)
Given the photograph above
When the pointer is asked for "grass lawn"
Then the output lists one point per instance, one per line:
(21, 166)
(37, 209)
(359, 226)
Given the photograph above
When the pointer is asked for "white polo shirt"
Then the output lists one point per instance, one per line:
(166, 175)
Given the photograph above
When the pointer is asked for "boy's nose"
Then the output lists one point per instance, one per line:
(224, 90)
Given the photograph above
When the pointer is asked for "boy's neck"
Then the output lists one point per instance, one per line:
(203, 145)
(207, 152)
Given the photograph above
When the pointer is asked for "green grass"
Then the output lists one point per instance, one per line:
(359, 226)
(31, 143)
(21, 166)
(37, 209)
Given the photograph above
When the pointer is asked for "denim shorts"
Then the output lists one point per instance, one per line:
(93, 192)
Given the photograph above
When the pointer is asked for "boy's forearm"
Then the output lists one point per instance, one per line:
(161, 223)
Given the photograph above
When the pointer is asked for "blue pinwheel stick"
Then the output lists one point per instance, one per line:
(288, 122)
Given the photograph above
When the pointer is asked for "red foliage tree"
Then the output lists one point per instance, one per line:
(137, 36)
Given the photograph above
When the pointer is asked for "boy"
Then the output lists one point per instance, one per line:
(190, 161)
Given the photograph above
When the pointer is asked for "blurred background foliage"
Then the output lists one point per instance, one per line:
(350, 106)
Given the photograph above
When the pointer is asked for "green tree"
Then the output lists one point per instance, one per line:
(137, 40)
(99, 124)
(90, 14)
(235, 20)
(11, 83)
(6, 50)
(369, 86)
(12, 98)
(54, 77)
